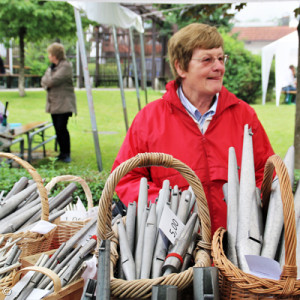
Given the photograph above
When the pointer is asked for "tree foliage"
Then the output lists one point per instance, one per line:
(181, 15)
(38, 19)
(32, 21)
(243, 70)
(37, 57)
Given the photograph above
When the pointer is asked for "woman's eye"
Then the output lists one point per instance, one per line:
(207, 60)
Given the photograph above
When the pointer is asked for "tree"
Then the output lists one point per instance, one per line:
(243, 70)
(179, 16)
(33, 20)
(297, 117)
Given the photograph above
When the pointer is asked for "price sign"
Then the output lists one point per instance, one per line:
(170, 224)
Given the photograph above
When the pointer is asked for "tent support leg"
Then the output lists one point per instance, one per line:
(88, 87)
(120, 76)
(134, 68)
(143, 64)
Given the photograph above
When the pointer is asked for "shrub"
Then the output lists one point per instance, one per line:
(243, 70)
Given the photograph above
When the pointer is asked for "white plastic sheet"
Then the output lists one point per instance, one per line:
(110, 14)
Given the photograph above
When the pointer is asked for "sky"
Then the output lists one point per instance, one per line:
(264, 12)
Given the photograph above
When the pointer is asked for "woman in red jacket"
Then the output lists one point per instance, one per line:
(196, 121)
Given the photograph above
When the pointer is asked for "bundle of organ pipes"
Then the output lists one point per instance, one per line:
(145, 252)
(251, 230)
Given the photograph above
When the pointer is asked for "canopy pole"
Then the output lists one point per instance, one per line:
(120, 75)
(134, 68)
(77, 65)
(143, 66)
(88, 87)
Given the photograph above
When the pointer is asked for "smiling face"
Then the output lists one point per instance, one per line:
(204, 75)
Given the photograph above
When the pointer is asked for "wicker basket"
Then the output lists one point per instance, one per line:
(236, 284)
(6, 283)
(71, 291)
(66, 229)
(31, 242)
(141, 288)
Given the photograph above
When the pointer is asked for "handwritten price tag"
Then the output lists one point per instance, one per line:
(170, 225)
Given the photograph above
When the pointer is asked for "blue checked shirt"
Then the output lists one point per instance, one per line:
(201, 120)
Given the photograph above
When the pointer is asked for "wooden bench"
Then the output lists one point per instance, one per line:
(35, 136)
(290, 93)
(11, 80)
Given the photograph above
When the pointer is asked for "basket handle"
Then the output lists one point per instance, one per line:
(104, 229)
(52, 275)
(274, 161)
(38, 180)
(78, 179)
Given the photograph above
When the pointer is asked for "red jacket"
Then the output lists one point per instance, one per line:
(165, 126)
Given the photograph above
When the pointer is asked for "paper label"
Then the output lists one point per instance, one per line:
(73, 215)
(92, 212)
(38, 294)
(42, 227)
(170, 224)
(263, 267)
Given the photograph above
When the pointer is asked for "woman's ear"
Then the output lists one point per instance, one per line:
(179, 70)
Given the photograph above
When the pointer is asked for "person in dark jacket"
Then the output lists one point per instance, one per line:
(61, 100)
(2, 68)
(196, 121)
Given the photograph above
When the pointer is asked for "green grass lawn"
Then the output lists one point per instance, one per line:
(278, 122)
(109, 117)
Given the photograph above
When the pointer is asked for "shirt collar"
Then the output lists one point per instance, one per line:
(192, 109)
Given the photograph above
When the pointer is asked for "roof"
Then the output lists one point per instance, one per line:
(255, 34)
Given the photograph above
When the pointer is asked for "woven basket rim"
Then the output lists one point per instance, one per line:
(38, 180)
(72, 178)
(51, 274)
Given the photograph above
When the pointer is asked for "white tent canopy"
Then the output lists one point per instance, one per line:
(285, 51)
(177, 1)
(110, 14)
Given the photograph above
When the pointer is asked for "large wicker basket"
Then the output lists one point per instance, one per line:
(31, 242)
(236, 284)
(141, 288)
(66, 229)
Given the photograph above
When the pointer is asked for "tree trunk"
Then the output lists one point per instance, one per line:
(297, 118)
(22, 62)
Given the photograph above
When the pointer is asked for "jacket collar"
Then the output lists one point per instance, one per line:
(225, 100)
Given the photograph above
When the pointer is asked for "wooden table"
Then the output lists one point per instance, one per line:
(32, 131)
